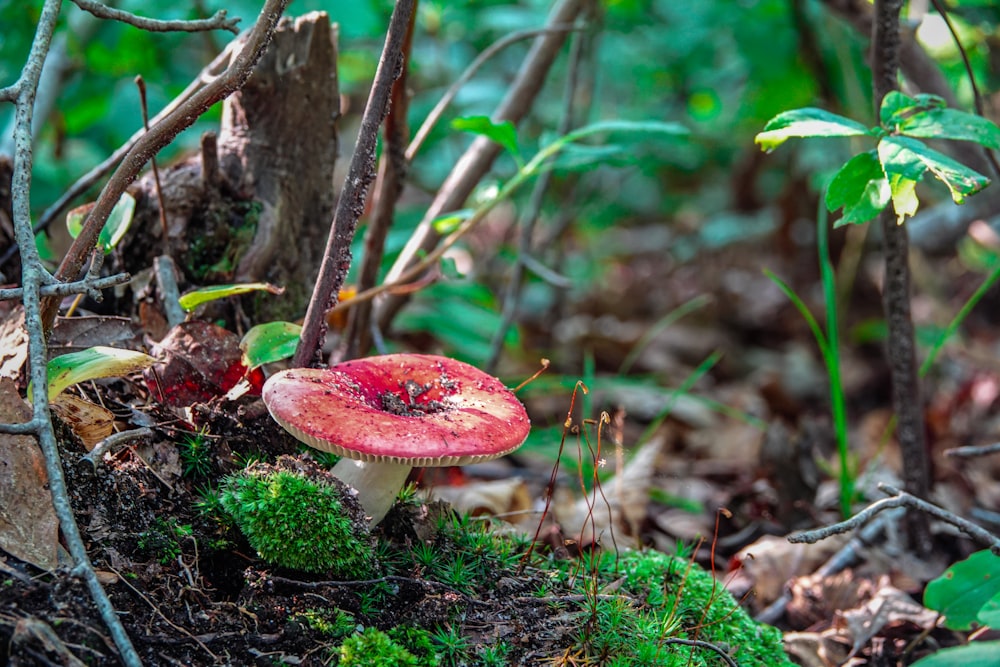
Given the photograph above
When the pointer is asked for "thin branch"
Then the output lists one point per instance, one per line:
(478, 159)
(699, 643)
(496, 47)
(351, 205)
(845, 557)
(22, 428)
(160, 135)
(393, 170)
(90, 286)
(973, 451)
(901, 350)
(531, 214)
(900, 499)
(33, 279)
(977, 97)
(102, 11)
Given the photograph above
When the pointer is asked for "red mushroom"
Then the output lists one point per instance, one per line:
(387, 414)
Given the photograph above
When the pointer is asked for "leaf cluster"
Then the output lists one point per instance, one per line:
(866, 183)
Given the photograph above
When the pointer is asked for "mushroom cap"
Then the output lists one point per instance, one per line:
(412, 409)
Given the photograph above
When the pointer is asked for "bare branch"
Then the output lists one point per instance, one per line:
(969, 452)
(476, 161)
(90, 286)
(102, 11)
(351, 205)
(900, 499)
(160, 135)
(496, 47)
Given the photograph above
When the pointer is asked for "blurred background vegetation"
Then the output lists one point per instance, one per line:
(722, 68)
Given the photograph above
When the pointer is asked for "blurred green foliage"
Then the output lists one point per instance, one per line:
(719, 67)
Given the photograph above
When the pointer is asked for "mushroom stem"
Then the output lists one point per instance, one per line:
(377, 484)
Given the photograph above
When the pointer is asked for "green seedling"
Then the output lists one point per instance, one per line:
(332, 623)
(829, 346)
(91, 364)
(114, 228)
(196, 455)
(202, 295)
(269, 342)
(866, 183)
(298, 516)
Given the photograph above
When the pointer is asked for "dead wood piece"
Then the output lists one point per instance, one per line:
(278, 144)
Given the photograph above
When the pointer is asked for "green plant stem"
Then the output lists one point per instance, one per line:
(958, 319)
(838, 403)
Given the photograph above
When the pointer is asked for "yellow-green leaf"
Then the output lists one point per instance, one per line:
(195, 298)
(92, 363)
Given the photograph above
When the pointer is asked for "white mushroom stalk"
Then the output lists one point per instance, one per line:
(388, 414)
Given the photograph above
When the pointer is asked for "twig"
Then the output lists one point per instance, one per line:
(900, 499)
(476, 161)
(351, 205)
(974, 450)
(496, 47)
(158, 136)
(115, 440)
(90, 286)
(529, 218)
(393, 170)
(699, 643)
(102, 11)
(34, 277)
(846, 556)
(140, 83)
(977, 97)
(392, 578)
(900, 345)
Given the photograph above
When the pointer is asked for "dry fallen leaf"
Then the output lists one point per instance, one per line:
(621, 507)
(496, 497)
(28, 523)
(13, 344)
(89, 421)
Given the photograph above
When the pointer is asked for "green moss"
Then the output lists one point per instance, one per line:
(297, 515)
(682, 601)
(374, 648)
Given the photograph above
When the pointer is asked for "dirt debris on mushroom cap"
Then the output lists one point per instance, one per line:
(412, 409)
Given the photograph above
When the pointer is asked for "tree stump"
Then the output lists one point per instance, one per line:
(256, 204)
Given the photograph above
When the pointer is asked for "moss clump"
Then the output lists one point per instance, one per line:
(682, 601)
(297, 515)
(374, 648)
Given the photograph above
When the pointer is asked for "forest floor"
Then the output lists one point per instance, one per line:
(721, 472)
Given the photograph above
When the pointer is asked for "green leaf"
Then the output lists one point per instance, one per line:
(114, 228)
(449, 222)
(896, 107)
(909, 158)
(990, 612)
(269, 342)
(195, 298)
(860, 188)
(977, 654)
(964, 589)
(503, 133)
(92, 363)
(806, 122)
(626, 127)
(952, 124)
